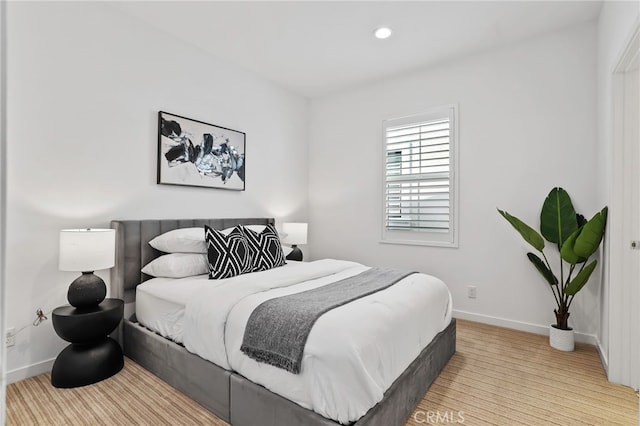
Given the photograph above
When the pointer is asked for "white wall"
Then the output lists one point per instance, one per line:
(85, 85)
(615, 25)
(527, 123)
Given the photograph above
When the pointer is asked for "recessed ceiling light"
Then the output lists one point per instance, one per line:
(382, 33)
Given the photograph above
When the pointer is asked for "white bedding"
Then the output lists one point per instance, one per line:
(353, 354)
(160, 303)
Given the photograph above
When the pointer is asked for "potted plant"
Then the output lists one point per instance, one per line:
(577, 239)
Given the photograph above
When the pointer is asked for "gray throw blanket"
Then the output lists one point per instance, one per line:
(278, 329)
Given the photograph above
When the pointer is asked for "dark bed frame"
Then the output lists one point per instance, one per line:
(227, 394)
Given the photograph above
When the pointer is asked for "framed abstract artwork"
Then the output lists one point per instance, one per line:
(195, 153)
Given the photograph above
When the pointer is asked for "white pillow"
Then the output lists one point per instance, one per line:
(178, 265)
(183, 240)
(254, 228)
(286, 250)
(190, 240)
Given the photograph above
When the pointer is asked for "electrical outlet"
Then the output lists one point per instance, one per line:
(471, 292)
(10, 337)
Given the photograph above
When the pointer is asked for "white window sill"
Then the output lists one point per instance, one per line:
(443, 244)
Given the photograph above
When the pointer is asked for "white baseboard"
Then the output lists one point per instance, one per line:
(603, 356)
(29, 371)
(519, 325)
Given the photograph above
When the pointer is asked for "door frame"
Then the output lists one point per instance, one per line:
(3, 192)
(624, 225)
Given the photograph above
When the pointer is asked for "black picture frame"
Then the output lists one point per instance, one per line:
(195, 153)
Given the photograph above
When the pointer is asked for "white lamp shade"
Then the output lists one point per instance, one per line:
(296, 233)
(87, 250)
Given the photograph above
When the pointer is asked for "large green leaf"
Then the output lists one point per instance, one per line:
(568, 253)
(529, 234)
(581, 279)
(543, 269)
(589, 239)
(558, 217)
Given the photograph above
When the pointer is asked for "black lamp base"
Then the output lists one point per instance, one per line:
(86, 290)
(296, 254)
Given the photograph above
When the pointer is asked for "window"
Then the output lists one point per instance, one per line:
(420, 179)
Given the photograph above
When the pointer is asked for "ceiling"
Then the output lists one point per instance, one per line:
(315, 48)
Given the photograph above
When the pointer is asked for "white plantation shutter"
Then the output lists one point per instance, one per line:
(419, 177)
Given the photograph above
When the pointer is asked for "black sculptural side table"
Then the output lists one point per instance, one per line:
(92, 356)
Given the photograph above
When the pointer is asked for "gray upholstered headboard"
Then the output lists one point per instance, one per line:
(133, 250)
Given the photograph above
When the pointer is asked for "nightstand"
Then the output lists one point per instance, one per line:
(92, 356)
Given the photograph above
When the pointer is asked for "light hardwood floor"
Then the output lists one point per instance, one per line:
(497, 377)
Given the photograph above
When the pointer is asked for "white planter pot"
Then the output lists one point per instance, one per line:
(563, 340)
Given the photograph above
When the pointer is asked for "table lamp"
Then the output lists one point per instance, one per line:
(296, 233)
(87, 250)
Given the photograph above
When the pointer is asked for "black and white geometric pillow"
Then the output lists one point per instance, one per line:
(228, 255)
(265, 248)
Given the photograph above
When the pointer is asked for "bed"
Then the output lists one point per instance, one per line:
(236, 393)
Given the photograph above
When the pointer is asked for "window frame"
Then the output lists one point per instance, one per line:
(426, 238)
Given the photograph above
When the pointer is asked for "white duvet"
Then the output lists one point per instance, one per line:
(354, 352)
